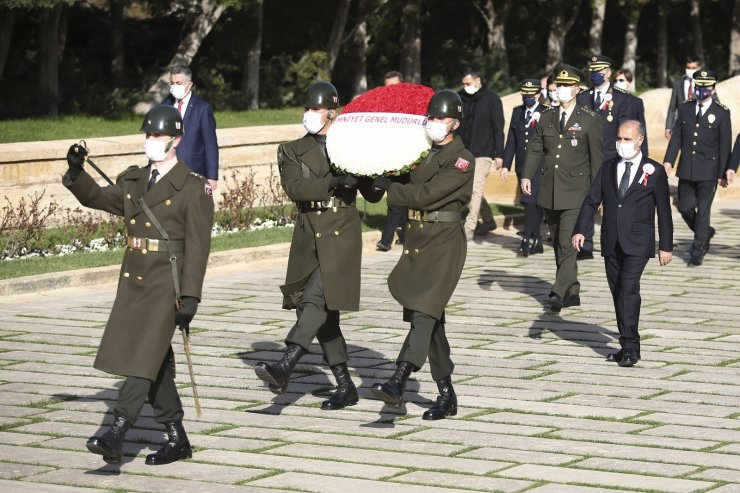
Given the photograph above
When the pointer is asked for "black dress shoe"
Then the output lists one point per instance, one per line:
(695, 260)
(711, 234)
(585, 255)
(398, 242)
(382, 247)
(617, 357)
(536, 247)
(571, 300)
(555, 301)
(629, 358)
(523, 249)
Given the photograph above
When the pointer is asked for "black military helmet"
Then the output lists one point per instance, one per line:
(322, 94)
(445, 103)
(163, 119)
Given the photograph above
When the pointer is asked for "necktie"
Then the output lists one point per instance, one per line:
(562, 122)
(597, 100)
(690, 94)
(179, 106)
(153, 179)
(527, 117)
(624, 183)
(699, 111)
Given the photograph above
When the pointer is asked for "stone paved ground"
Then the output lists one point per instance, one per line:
(541, 410)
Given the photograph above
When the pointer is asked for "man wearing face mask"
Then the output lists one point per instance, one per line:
(435, 248)
(569, 138)
(683, 90)
(521, 127)
(703, 134)
(324, 264)
(631, 187)
(482, 133)
(614, 106)
(199, 146)
(160, 283)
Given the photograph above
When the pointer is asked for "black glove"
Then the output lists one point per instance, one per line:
(344, 181)
(75, 159)
(382, 183)
(184, 315)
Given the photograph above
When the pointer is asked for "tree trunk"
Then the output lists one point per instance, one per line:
(597, 26)
(251, 68)
(337, 33)
(661, 68)
(563, 16)
(361, 40)
(632, 10)
(210, 12)
(411, 41)
(118, 49)
(696, 32)
(48, 84)
(7, 18)
(496, 33)
(734, 65)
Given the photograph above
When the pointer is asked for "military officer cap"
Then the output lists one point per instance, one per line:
(529, 87)
(599, 62)
(705, 78)
(321, 94)
(163, 119)
(567, 74)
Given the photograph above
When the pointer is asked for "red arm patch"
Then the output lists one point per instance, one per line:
(462, 164)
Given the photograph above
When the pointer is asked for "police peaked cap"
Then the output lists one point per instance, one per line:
(705, 78)
(530, 87)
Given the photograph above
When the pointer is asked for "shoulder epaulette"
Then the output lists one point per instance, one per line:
(549, 108)
(619, 89)
(722, 105)
(587, 110)
(125, 172)
(197, 175)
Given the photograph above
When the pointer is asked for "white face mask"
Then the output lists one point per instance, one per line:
(626, 150)
(437, 131)
(157, 150)
(553, 95)
(471, 89)
(178, 92)
(690, 72)
(565, 94)
(312, 122)
(622, 85)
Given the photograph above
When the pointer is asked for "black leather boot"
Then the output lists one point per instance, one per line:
(110, 445)
(346, 393)
(391, 392)
(177, 446)
(446, 404)
(536, 246)
(277, 376)
(523, 249)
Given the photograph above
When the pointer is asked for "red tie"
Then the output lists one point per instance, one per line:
(179, 106)
(690, 95)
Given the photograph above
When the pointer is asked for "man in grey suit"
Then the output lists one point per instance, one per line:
(683, 90)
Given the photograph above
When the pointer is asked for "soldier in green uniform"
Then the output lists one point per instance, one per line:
(435, 248)
(570, 138)
(136, 341)
(324, 265)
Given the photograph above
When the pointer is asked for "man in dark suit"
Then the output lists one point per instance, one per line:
(199, 146)
(567, 146)
(703, 134)
(683, 90)
(521, 127)
(631, 187)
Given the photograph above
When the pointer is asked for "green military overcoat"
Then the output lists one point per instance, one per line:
(571, 158)
(434, 252)
(330, 238)
(142, 322)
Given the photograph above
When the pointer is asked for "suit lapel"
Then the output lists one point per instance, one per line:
(638, 174)
(189, 111)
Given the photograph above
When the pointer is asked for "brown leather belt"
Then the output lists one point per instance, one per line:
(152, 245)
(435, 216)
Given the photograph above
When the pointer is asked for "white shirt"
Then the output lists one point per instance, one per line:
(185, 102)
(600, 93)
(687, 82)
(633, 169)
(704, 106)
(164, 167)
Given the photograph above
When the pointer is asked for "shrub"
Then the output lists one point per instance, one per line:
(22, 226)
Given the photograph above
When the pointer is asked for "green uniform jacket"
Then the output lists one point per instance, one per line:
(571, 159)
(142, 321)
(434, 253)
(330, 238)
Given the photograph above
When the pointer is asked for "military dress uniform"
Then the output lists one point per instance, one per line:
(521, 129)
(572, 157)
(705, 142)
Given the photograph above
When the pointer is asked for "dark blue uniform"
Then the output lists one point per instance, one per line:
(520, 130)
(617, 107)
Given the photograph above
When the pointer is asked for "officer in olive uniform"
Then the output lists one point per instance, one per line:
(615, 106)
(521, 127)
(703, 134)
(435, 248)
(569, 138)
(324, 265)
(136, 341)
